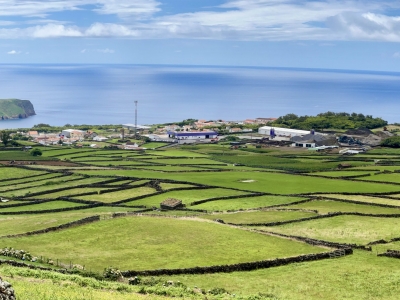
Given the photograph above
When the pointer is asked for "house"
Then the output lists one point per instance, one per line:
(72, 133)
(171, 204)
(132, 146)
(33, 133)
(264, 120)
(193, 136)
(234, 130)
(313, 140)
(99, 138)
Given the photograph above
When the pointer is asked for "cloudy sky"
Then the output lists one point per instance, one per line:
(339, 34)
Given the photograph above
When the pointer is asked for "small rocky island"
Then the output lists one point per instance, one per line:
(15, 109)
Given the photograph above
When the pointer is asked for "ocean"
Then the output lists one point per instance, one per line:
(105, 94)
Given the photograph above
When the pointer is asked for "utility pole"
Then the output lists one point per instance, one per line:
(136, 129)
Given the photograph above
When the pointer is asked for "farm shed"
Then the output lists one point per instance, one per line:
(171, 203)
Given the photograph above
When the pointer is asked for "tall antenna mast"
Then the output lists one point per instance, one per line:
(136, 129)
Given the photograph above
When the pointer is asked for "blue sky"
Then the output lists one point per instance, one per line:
(338, 34)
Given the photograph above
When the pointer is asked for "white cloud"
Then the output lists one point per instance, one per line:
(106, 51)
(396, 55)
(324, 20)
(111, 30)
(42, 8)
(13, 52)
(83, 51)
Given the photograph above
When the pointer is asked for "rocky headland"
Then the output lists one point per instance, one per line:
(15, 109)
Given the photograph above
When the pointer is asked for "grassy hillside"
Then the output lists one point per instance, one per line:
(15, 108)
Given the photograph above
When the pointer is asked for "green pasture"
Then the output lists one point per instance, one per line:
(343, 229)
(69, 184)
(377, 168)
(362, 275)
(168, 186)
(275, 162)
(343, 173)
(328, 206)
(12, 202)
(41, 206)
(171, 168)
(47, 285)
(264, 216)
(94, 158)
(183, 244)
(154, 145)
(17, 173)
(381, 248)
(183, 161)
(19, 155)
(139, 182)
(277, 183)
(67, 151)
(48, 182)
(361, 198)
(118, 195)
(175, 153)
(186, 196)
(12, 184)
(247, 203)
(121, 182)
(394, 177)
(71, 192)
(16, 224)
(122, 163)
(385, 151)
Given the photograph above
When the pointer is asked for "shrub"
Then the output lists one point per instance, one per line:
(392, 142)
(36, 152)
(112, 273)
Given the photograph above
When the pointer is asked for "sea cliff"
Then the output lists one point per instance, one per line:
(15, 109)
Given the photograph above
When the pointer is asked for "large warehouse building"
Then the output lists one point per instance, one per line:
(282, 132)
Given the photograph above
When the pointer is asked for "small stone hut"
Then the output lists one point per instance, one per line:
(171, 204)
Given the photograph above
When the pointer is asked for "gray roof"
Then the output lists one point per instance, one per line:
(310, 137)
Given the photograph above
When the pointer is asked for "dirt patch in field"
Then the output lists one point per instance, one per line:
(40, 162)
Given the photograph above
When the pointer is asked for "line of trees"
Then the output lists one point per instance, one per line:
(329, 120)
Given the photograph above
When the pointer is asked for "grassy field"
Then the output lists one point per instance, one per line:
(184, 243)
(247, 203)
(366, 199)
(259, 216)
(362, 275)
(157, 239)
(41, 206)
(343, 229)
(326, 206)
(186, 196)
(278, 183)
(118, 195)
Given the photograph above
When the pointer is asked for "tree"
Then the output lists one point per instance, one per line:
(4, 137)
(36, 152)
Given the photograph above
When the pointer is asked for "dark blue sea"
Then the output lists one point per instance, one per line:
(105, 94)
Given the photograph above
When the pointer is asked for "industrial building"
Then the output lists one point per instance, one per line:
(192, 136)
(72, 133)
(281, 132)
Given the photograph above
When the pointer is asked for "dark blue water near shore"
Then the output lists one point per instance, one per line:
(105, 94)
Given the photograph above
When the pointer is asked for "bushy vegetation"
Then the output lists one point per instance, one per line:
(392, 142)
(329, 120)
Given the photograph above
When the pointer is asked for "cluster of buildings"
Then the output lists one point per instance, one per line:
(299, 138)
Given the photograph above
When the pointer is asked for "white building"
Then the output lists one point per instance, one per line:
(281, 132)
(73, 133)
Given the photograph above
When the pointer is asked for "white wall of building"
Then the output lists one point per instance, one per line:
(286, 132)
